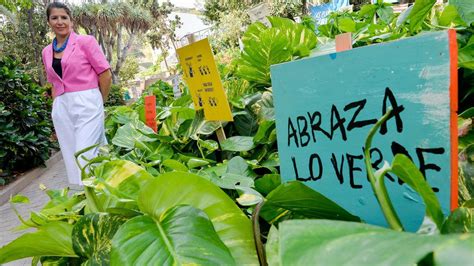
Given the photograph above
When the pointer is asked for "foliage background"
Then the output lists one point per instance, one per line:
(25, 123)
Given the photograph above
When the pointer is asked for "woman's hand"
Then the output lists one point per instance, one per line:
(105, 81)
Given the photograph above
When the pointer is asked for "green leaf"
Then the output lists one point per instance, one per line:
(420, 10)
(248, 196)
(466, 55)
(298, 199)
(52, 239)
(92, 236)
(303, 242)
(230, 180)
(302, 39)
(196, 162)
(264, 108)
(346, 24)
(406, 170)
(404, 16)
(267, 183)
(448, 15)
(467, 113)
(263, 133)
(253, 32)
(271, 47)
(385, 13)
(272, 247)
(19, 199)
(246, 123)
(128, 134)
(238, 165)
(237, 143)
(230, 223)
(367, 11)
(461, 220)
(122, 178)
(209, 144)
(182, 235)
(465, 9)
(175, 165)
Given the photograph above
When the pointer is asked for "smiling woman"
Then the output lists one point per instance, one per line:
(81, 79)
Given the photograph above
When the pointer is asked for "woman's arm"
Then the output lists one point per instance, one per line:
(105, 81)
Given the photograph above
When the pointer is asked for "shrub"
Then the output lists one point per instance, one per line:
(115, 96)
(25, 120)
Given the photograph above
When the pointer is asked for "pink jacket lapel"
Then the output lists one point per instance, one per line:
(71, 44)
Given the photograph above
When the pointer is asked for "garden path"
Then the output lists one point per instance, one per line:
(53, 178)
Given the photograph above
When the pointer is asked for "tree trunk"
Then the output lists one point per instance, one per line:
(304, 7)
(37, 61)
(109, 47)
(121, 54)
(164, 57)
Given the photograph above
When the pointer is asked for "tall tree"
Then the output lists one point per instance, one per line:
(162, 32)
(25, 35)
(115, 25)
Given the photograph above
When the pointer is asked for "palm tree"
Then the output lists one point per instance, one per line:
(108, 21)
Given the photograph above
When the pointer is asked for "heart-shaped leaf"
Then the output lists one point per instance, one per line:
(182, 235)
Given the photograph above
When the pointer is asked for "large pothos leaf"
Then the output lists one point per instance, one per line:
(238, 165)
(129, 133)
(182, 235)
(465, 9)
(264, 108)
(117, 184)
(92, 236)
(246, 123)
(51, 239)
(306, 242)
(123, 177)
(238, 143)
(296, 199)
(200, 126)
(231, 224)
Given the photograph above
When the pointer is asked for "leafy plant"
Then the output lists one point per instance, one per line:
(264, 47)
(115, 96)
(303, 242)
(25, 123)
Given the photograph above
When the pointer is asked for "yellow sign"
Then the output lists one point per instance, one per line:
(202, 77)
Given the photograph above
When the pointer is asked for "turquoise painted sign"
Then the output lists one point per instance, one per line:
(326, 105)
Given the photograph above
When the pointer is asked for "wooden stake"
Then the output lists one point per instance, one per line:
(343, 42)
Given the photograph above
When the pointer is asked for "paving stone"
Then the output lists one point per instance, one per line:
(53, 178)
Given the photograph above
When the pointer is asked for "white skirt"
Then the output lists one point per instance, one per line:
(78, 119)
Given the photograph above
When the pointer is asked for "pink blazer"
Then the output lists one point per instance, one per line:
(82, 62)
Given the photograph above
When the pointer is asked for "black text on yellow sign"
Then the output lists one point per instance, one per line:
(202, 77)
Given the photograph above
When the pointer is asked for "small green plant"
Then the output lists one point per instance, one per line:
(115, 96)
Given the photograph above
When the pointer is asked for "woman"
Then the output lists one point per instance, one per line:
(81, 79)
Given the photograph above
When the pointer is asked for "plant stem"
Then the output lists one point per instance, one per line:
(256, 234)
(378, 184)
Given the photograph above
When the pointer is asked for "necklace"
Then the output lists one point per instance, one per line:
(60, 49)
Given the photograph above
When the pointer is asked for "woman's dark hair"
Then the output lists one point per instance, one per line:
(58, 5)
